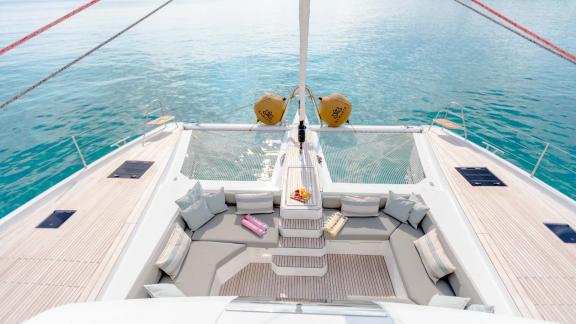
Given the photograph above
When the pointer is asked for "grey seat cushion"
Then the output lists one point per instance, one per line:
(458, 280)
(418, 285)
(203, 259)
(226, 227)
(365, 228)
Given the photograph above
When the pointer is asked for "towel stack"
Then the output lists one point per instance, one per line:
(255, 225)
(334, 224)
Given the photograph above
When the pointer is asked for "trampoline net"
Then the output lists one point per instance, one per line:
(232, 155)
(378, 158)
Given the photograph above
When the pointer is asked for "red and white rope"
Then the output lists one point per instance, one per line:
(46, 27)
(518, 29)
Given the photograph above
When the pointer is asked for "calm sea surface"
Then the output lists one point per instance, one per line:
(399, 61)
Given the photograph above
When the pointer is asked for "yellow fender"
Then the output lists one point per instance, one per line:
(335, 109)
(269, 109)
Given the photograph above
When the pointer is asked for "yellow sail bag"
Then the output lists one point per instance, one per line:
(269, 109)
(335, 109)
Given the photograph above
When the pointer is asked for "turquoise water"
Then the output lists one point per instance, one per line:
(399, 61)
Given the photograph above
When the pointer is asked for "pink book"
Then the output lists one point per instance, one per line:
(256, 222)
(252, 227)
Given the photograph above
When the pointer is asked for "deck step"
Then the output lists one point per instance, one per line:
(303, 224)
(299, 261)
(309, 228)
(302, 242)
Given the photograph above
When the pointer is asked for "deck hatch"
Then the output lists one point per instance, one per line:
(563, 231)
(480, 177)
(57, 218)
(131, 169)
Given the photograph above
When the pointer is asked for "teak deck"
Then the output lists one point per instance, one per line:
(537, 268)
(348, 275)
(44, 268)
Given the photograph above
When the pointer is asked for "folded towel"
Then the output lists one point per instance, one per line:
(338, 227)
(252, 227)
(332, 221)
(256, 222)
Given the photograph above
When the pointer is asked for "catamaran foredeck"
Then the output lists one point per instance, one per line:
(502, 257)
(81, 260)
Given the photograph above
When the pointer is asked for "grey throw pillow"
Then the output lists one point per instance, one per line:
(398, 207)
(216, 201)
(419, 210)
(360, 206)
(259, 203)
(435, 260)
(174, 252)
(197, 214)
(190, 197)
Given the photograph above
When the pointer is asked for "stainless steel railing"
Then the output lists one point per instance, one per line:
(525, 150)
(43, 165)
(38, 168)
(537, 155)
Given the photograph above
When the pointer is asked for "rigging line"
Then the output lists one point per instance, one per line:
(236, 109)
(239, 108)
(60, 70)
(551, 50)
(46, 27)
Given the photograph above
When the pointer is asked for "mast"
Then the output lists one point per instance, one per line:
(304, 24)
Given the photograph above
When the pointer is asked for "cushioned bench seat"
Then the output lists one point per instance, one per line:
(365, 228)
(419, 287)
(204, 258)
(226, 227)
